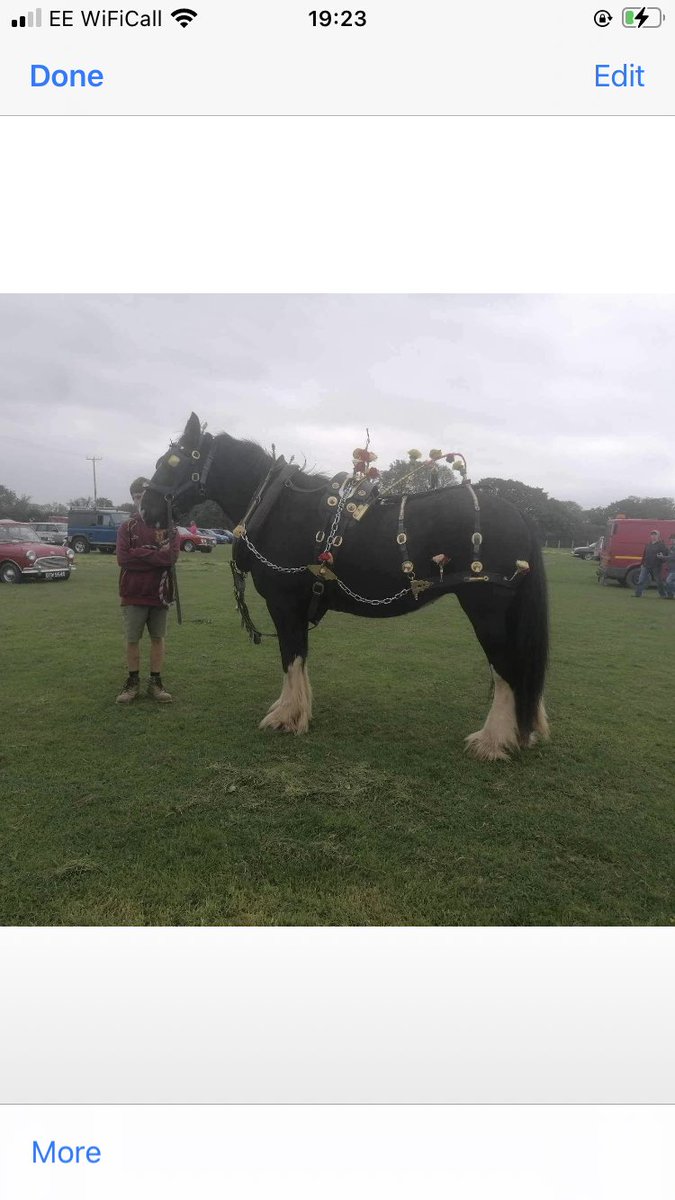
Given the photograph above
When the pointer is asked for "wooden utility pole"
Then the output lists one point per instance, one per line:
(93, 460)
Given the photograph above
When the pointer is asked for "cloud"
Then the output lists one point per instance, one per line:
(569, 393)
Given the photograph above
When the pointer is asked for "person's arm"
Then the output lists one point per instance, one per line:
(141, 557)
(171, 544)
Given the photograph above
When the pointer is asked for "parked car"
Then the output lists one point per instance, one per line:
(94, 529)
(222, 535)
(23, 555)
(195, 541)
(624, 543)
(54, 533)
(585, 551)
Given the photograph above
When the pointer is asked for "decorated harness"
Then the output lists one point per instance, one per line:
(345, 501)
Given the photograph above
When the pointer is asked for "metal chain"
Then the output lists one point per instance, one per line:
(266, 561)
(343, 586)
(364, 599)
(332, 533)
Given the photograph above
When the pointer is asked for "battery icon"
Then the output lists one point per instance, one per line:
(642, 18)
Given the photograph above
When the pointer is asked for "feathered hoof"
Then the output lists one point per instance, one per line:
(541, 727)
(540, 733)
(485, 748)
(285, 722)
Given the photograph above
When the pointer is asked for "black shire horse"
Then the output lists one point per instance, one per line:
(308, 550)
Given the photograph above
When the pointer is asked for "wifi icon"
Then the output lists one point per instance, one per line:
(184, 16)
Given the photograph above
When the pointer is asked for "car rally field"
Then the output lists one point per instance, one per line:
(187, 814)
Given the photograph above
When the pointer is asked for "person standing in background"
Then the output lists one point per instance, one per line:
(146, 556)
(652, 564)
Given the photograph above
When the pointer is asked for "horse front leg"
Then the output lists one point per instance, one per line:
(292, 712)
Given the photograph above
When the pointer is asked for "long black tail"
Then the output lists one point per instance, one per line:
(528, 630)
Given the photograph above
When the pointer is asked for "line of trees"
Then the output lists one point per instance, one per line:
(16, 507)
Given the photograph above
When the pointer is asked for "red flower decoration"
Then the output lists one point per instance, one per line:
(326, 557)
(373, 473)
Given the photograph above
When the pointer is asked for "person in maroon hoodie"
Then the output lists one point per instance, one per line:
(145, 556)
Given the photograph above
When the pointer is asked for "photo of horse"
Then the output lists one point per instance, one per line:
(319, 610)
(504, 600)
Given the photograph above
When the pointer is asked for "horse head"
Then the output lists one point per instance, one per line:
(180, 475)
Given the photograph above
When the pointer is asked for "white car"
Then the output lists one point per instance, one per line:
(51, 532)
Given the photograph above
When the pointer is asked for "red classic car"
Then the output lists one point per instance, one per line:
(24, 556)
(201, 540)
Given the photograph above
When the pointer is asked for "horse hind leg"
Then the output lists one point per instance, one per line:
(500, 735)
(541, 728)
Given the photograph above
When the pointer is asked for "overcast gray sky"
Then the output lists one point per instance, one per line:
(573, 394)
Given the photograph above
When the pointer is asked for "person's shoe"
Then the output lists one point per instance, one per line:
(157, 690)
(129, 692)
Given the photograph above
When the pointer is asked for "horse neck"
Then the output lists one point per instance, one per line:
(238, 467)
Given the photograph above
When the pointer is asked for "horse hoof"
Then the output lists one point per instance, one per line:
(481, 746)
(284, 724)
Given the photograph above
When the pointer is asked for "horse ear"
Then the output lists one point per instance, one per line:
(192, 433)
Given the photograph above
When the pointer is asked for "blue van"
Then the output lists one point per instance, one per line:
(94, 529)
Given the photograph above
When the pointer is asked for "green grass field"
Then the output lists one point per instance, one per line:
(187, 815)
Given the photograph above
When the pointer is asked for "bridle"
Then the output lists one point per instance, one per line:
(197, 481)
(197, 478)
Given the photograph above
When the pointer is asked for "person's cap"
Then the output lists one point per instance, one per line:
(654, 533)
(139, 485)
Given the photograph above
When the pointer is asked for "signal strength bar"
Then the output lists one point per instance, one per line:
(30, 21)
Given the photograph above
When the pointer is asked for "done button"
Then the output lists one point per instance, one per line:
(41, 76)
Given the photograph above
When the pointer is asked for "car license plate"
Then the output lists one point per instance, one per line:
(55, 574)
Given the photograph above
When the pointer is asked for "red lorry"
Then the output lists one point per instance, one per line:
(624, 542)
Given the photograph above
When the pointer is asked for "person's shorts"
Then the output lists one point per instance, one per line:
(136, 617)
